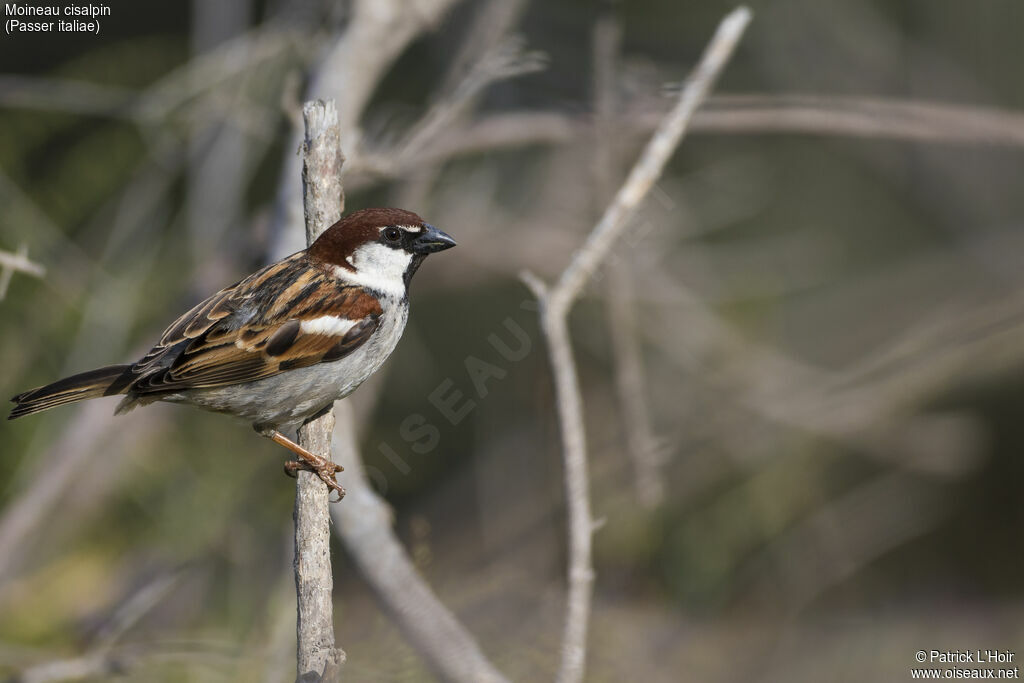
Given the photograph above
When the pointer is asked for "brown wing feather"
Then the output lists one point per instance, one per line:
(252, 330)
(355, 338)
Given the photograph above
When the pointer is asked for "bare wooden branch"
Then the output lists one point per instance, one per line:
(323, 197)
(856, 116)
(554, 308)
(62, 95)
(102, 660)
(503, 60)
(200, 76)
(57, 473)
(652, 161)
(378, 32)
(100, 665)
(826, 115)
(314, 582)
(130, 662)
(641, 444)
(16, 263)
(19, 262)
(376, 35)
(491, 22)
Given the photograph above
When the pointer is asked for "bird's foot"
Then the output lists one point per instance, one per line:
(325, 471)
(320, 466)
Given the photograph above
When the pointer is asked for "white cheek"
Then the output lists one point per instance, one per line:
(378, 267)
(381, 260)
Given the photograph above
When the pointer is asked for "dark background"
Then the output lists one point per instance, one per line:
(830, 327)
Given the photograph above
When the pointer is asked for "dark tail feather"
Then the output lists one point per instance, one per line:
(69, 390)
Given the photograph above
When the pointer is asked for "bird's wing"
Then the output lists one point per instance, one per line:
(288, 315)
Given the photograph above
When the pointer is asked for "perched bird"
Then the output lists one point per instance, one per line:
(279, 347)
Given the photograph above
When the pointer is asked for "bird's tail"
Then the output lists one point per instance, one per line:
(78, 387)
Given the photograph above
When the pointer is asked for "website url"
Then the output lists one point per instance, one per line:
(974, 674)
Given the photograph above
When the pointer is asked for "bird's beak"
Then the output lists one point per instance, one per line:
(431, 240)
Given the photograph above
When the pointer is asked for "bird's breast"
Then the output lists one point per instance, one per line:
(292, 396)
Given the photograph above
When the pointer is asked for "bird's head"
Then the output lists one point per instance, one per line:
(379, 249)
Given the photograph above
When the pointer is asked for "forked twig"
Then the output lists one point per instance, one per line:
(555, 303)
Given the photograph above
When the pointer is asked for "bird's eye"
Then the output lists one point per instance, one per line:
(392, 234)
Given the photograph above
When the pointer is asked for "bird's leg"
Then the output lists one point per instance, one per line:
(322, 467)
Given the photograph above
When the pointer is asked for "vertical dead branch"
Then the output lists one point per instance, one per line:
(318, 658)
(377, 33)
(555, 303)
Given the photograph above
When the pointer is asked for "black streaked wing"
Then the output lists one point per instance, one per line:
(253, 330)
(354, 338)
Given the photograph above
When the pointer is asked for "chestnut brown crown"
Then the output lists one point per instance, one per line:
(337, 244)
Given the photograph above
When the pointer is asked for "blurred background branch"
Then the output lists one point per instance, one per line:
(364, 525)
(620, 295)
(17, 262)
(555, 303)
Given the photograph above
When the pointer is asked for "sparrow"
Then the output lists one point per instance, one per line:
(280, 346)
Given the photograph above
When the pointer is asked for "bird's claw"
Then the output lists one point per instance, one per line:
(325, 471)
